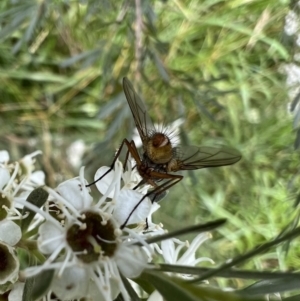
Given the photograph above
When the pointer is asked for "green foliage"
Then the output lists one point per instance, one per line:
(213, 63)
(37, 197)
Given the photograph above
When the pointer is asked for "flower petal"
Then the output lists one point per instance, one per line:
(50, 238)
(168, 249)
(131, 260)
(105, 182)
(10, 232)
(129, 203)
(29, 160)
(4, 156)
(16, 293)
(155, 296)
(38, 178)
(73, 284)
(96, 294)
(4, 177)
(73, 192)
(189, 256)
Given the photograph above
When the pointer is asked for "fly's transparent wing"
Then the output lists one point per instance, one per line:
(193, 157)
(138, 110)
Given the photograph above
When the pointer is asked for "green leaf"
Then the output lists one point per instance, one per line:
(28, 290)
(145, 285)
(37, 197)
(255, 251)
(29, 283)
(37, 286)
(132, 294)
(229, 273)
(272, 286)
(33, 76)
(293, 298)
(81, 56)
(42, 284)
(176, 289)
(191, 229)
(168, 287)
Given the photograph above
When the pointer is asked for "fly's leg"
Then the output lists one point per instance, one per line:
(173, 179)
(130, 149)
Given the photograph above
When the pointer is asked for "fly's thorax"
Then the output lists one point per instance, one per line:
(159, 149)
(174, 165)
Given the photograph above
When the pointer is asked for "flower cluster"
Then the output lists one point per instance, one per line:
(90, 245)
(17, 180)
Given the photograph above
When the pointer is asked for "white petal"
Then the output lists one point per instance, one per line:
(73, 284)
(38, 178)
(22, 197)
(28, 161)
(97, 295)
(168, 249)
(105, 182)
(72, 191)
(4, 156)
(10, 232)
(50, 238)
(131, 177)
(155, 296)
(188, 257)
(4, 177)
(75, 152)
(131, 260)
(16, 293)
(155, 206)
(126, 202)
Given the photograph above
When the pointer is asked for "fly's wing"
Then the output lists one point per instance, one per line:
(193, 157)
(138, 110)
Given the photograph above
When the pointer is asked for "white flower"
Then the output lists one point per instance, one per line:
(128, 206)
(171, 253)
(8, 191)
(93, 249)
(16, 185)
(86, 243)
(13, 188)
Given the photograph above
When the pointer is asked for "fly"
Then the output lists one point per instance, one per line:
(160, 159)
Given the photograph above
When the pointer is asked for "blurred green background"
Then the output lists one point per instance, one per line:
(215, 64)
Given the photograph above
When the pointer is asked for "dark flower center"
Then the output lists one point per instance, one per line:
(7, 262)
(93, 240)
